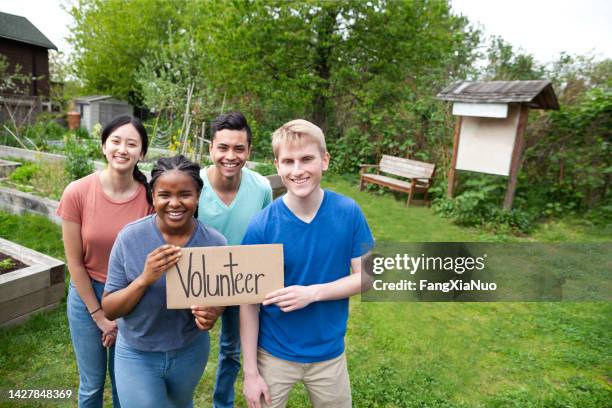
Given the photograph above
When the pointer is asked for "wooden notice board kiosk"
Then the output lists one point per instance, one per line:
(491, 121)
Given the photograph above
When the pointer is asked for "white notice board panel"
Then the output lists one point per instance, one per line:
(486, 144)
(482, 110)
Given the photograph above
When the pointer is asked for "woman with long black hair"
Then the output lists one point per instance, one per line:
(93, 210)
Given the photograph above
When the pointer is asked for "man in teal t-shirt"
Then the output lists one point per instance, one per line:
(232, 195)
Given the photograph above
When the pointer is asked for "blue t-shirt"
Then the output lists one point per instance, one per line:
(150, 326)
(232, 220)
(315, 252)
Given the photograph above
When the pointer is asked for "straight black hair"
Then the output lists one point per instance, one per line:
(180, 163)
(231, 121)
(116, 123)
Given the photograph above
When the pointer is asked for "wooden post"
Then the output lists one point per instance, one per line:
(517, 152)
(452, 172)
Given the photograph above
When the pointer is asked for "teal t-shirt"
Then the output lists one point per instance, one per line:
(232, 221)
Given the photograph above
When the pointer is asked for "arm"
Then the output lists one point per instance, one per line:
(73, 247)
(297, 297)
(121, 302)
(254, 385)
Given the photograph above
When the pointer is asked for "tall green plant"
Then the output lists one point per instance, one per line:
(78, 163)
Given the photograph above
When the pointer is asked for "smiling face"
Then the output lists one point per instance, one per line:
(175, 199)
(229, 151)
(123, 148)
(301, 165)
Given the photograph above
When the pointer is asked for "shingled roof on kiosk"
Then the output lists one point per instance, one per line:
(538, 94)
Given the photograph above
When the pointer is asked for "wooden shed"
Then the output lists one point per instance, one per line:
(24, 45)
(100, 109)
(491, 121)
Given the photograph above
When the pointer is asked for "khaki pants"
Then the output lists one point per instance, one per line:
(327, 381)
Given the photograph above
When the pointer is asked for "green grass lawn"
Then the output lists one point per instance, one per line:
(400, 354)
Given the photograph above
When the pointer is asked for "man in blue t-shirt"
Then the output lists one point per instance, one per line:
(298, 332)
(232, 195)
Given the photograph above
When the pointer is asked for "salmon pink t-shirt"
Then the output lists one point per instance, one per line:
(101, 219)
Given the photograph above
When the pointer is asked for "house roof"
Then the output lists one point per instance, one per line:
(539, 94)
(20, 29)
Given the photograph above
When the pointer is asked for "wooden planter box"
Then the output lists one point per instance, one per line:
(35, 288)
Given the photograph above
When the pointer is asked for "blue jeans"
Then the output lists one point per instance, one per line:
(229, 358)
(160, 378)
(92, 357)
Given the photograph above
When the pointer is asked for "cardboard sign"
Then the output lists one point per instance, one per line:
(224, 276)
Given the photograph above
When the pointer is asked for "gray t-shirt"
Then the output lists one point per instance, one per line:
(150, 326)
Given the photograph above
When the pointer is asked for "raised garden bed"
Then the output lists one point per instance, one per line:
(19, 202)
(7, 167)
(35, 156)
(34, 288)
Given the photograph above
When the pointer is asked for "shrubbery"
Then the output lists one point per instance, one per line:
(24, 173)
(479, 203)
(78, 156)
(265, 169)
(47, 179)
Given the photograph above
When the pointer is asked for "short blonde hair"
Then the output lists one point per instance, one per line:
(298, 131)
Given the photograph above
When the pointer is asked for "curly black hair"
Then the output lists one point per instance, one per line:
(180, 163)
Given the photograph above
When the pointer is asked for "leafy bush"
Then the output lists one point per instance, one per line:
(261, 145)
(480, 204)
(50, 180)
(53, 130)
(25, 173)
(47, 179)
(78, 163)
(350, 150)
(90, 142)
(265, 169)
(473, 209)
(81, 133)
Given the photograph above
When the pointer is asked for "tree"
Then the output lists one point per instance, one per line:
(110, 39)
(373, 65)
(507, 64)
(371, 68)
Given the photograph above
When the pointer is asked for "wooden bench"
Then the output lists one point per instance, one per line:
(419, 175)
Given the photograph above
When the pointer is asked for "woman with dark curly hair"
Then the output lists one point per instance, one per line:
(160, 353)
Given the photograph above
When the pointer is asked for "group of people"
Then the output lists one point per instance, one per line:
(121, 233)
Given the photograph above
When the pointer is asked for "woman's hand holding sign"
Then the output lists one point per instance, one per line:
(292, 297)
(121, 302)
(158, 261)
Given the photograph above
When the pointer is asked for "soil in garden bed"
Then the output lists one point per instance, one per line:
(10, 264)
